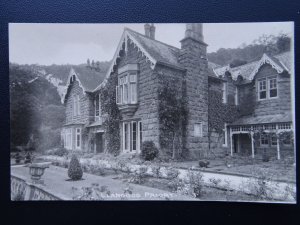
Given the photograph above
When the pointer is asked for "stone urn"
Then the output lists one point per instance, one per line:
(36, 171)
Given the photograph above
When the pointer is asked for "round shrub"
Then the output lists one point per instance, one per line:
(149, 150)
(61, 152)
(75, 170)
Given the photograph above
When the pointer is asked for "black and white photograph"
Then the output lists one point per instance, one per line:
(152, 111)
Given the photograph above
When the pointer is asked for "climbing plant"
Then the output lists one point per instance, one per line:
(172, 114)
(110, 109)
(219, 113)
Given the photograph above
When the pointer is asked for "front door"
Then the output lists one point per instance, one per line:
(99, 142)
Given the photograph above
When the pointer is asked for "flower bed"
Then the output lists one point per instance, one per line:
(223, 182)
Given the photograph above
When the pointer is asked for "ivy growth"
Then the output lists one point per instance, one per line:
(110, 109)
(219, 113)
(172, 114)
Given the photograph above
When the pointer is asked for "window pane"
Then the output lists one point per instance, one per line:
(262, 95)
(134, 133)
(133, 92)
(141, 134)
(125, 95)
(273, 93)
(133, 78)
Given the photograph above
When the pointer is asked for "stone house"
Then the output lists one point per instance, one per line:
(143, 66)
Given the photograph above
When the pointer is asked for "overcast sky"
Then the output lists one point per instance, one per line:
(47, 44)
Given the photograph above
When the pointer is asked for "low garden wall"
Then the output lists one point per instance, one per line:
(281, 191)
(25, 190)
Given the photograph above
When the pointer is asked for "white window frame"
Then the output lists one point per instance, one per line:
(198, 129)
(225, 136)
(236, 96)
(261, 138)
(97, 117)
(273, 142)
(77, 132)
(268, 88)
(224, 93)
(69, 138)
(127, 81)
(126, 148)
(78, 105)
(140, 136)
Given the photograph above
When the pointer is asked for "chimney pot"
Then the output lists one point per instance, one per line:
(147, 29)
(152, 31)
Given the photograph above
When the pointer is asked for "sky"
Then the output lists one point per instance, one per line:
(46, 44)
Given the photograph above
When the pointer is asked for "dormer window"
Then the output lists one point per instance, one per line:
(126, 91)
(267, 88)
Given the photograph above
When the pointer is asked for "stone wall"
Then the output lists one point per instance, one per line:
(147, 81)
(193, 58)
(86, 105)
(23, 190)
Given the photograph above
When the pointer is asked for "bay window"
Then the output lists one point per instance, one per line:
(126, 90)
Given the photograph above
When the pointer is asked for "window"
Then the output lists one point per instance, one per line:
(225, 135)
(97, 104)
(267, 88)
(126, 136)
(262, 89)
(274, 140)
(78, 138)
(236, 96)
(132, 136)
(126, 91)
(264, 140)
(68, 138)
(224, 93)
(273, 88)
(76, 105)
(140, 134)
(198, 130)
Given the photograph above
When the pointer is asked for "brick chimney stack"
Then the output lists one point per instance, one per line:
(152, 31)
(147, 29)
(193, 58)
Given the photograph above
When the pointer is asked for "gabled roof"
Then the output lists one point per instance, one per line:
(87, 77)
(280, 62)
(154, 51)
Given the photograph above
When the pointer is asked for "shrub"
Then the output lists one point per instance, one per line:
(176, 185)
(139, 175)
(172, 173)
(61, 152)
(149, 150)
(75, 170)
(259, 186)
(196, 182)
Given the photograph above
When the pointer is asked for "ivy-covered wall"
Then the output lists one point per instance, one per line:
(110, 109)
(172, 112)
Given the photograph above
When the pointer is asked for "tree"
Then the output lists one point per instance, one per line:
(237, 62)
(283, 43)
(88, 63)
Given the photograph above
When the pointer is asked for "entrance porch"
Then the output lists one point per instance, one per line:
(242, 139)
